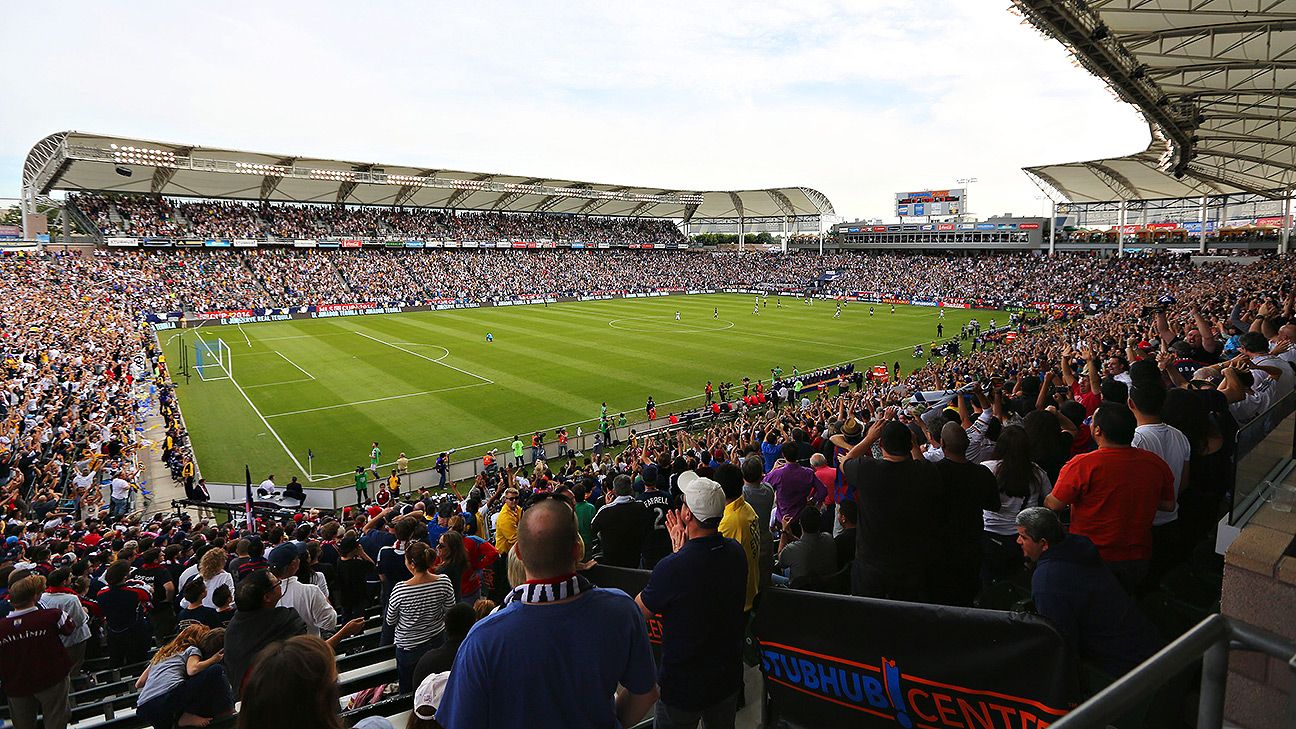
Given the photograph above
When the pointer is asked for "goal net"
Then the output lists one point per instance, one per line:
(212, 360)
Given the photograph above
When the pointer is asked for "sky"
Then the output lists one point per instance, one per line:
(858, 100)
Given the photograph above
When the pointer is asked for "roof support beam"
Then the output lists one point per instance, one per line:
(407, 192)
(162, 175)
(506, 199)
(462, 194)
(270, 183)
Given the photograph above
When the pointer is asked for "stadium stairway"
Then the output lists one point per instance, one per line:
(82, 221)
(157, 476)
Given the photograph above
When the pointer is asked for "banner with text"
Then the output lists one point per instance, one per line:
(878, 663)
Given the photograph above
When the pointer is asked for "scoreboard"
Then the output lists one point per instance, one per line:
(930, 203)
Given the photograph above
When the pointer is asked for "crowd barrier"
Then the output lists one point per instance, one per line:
(876, 663)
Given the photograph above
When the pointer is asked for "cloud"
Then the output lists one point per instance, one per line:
(857, 99)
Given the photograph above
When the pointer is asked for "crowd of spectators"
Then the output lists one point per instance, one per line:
(154, 216)
(1096, 448)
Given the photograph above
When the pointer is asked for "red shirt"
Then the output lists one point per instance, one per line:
(1113, 493)
(1091, 400)
(32, 656)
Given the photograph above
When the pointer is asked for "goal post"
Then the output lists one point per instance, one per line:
(213, 360)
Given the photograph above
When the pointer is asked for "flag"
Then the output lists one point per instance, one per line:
(247, 503)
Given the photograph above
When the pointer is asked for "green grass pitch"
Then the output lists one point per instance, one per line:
(423, 382)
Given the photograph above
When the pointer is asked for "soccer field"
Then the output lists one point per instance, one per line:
(424, 382)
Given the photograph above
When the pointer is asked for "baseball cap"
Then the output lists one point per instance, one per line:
(705, 498)
(649, 473)
(347, 545)
(283, 555)
(428, 694)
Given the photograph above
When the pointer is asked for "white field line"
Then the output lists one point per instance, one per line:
(265, 422)
(245, 336)
(593, 420)
(281, 382)
(294, 364)
(376, 399)
(429, 359)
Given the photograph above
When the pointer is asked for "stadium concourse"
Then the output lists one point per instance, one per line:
(914, 490)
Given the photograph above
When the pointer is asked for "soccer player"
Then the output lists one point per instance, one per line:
(715, 313)
(756, 310)
(361, 486)
(942, 313)
(893, 308)
(940, 329)
(838, 314)
(375, 454)
(870, 311)
(677, 318)
(490, 337)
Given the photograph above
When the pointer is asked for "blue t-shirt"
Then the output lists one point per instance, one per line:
(700, 592)
(587, 647)
(770, 452)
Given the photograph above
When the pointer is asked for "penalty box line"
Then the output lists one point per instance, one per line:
(485, 380)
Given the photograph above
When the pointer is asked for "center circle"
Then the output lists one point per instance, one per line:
(666, 324)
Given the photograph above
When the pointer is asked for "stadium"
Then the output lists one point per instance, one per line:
(430, 447)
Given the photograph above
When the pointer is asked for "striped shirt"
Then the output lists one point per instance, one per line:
(418, 611)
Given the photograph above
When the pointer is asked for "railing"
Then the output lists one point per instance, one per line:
(1209, 641)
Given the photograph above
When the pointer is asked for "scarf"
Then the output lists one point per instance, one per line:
(536, 592)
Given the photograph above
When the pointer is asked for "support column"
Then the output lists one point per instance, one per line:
(1052, 223)
(22, 211)
(787, 230)
(65, 222)
(1286, 223)
(1202, 218)
(742, 244)
(1120, 230)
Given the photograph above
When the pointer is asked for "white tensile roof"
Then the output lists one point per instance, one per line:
(73, 161)
(1215, 79)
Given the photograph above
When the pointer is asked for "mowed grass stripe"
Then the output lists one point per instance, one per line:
(551, 366)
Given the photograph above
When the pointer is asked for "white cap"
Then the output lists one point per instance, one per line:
(427, 697)
(704, 497)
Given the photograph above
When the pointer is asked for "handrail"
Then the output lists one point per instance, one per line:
(1210, 640)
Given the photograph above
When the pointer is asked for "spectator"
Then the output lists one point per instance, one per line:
(307, 599)
(621, 525)
(303, 668)
(1114, 493)
(1020, 484)
(458, 620)
(966, 490)
(760, 497)
(806, 553)
(1078, 594)
(125, 606)
(699, 592)
(894, 493)
(185, 683)
(417, 610)
(739, 523)
(34, 665)
(795, 485)
(59, 595)
(848, 517)
(556, 609)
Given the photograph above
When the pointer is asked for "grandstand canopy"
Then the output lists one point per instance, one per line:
(1215, 80)
(76, 161)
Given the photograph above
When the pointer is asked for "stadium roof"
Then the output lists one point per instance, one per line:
(1215, 80)
(80, 161)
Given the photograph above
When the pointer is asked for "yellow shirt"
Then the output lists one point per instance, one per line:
(506, 528)
(739, 524)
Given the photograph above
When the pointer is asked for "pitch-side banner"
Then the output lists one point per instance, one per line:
(877, 663)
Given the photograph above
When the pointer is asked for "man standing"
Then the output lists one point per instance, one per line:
(375, 454)
(1114, 493)
(622, 525)
(586, 683)
(895, 495)
(361, 486)
(1146, 400)
(307, 599)
(518, 451)
(506, 523)
(34, 665)
(119, 497)
(1075, 592)
(442, 467)
(699, 593)
(658, 503)
(966, 489)
(795, 485)
(741, 525)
